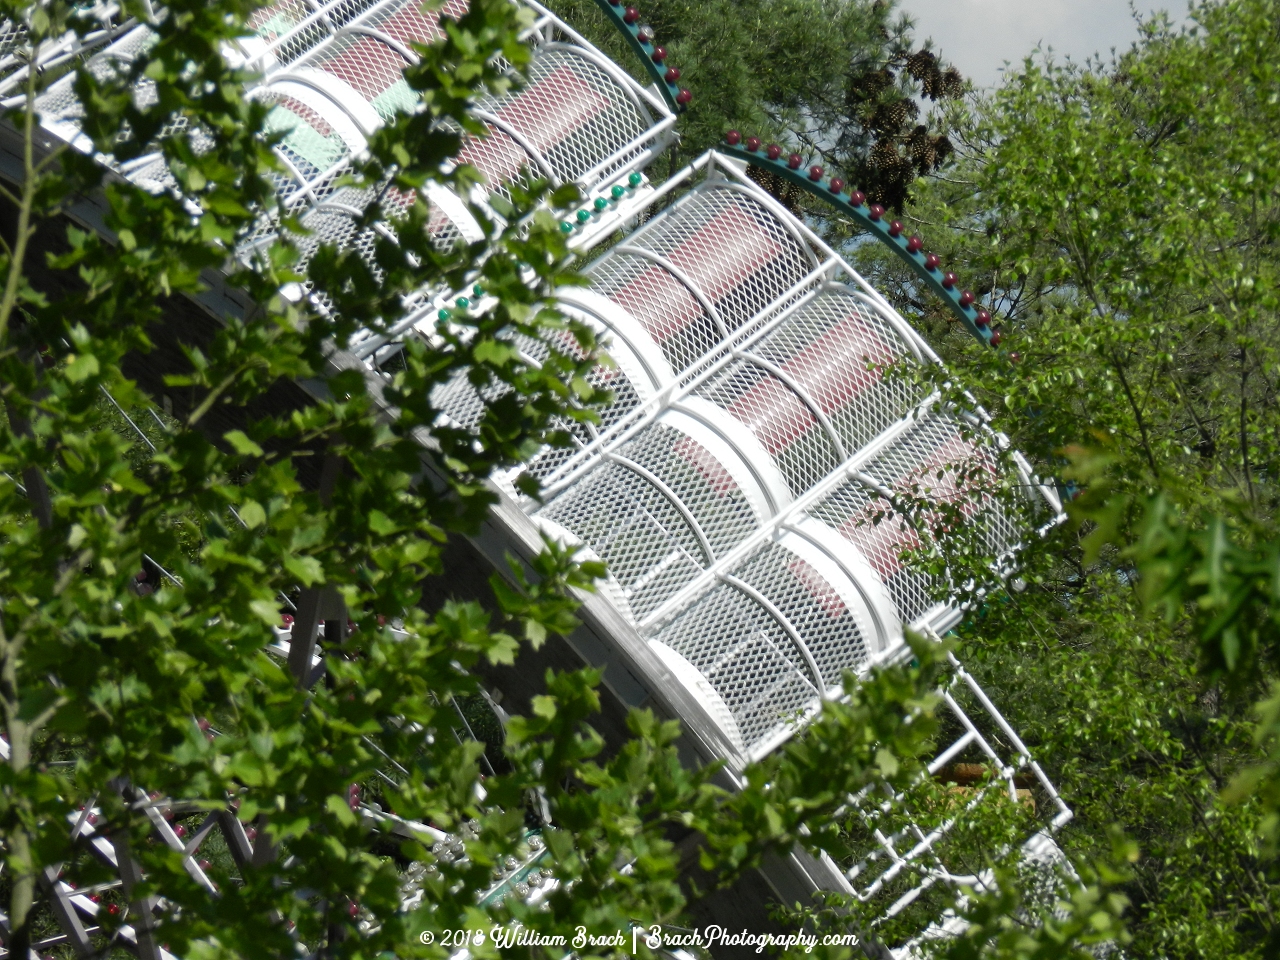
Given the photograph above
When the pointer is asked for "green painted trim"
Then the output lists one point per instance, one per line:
(861, 214)
(644, 51)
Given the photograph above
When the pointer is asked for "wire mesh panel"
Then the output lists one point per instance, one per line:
(659, 509)
(703, 270)
(814, 390)
(570, 116)
(713, 264)
(773, 638)
(289, 29)
(941, 481)
(372, 61)
(801, 397)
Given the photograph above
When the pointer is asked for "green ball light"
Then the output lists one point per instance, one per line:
(584, 216)
(566, 226)
(618, 193)
(601, 203)
(463, 303)
(478, 290)
(442, 314)
(634, 179)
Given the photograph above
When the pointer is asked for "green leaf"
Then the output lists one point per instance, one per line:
(80, 367)
(381, 524)
(251, 514)
(242, 444)
(308, 570)
(341, 809)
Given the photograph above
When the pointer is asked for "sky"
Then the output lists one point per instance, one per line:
(978, 36)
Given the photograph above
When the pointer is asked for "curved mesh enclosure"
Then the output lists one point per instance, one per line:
(701, 271)
(371, 61)
(943, 481)
(659, 509)
(724, 248)
(289, 29)
(761, 657)
(463, 404)
(813, 391)
(570, 117)
(809, 393)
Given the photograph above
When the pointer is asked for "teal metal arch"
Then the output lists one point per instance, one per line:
(875, 220)
(627, 20)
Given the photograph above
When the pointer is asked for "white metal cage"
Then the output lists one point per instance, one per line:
(333, 74)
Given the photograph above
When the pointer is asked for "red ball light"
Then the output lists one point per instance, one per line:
(683, 97)
(630, 15)
(113, 909)
(733, 138)
(857, 198)
(966, 298)
(1015, 357)
(815, 172)
(204, 864)
(895, 228)
(287, 620)
(983, 319)
(949, 279)
(672, 75)
(836, 185)
(996, 337)
(931, 261)
(794, 160)
(876, 211)
(659, 54)
(251, 834)
(914, 244)
(180, 831)
(353, 909)
(773, 152)
(753, 144)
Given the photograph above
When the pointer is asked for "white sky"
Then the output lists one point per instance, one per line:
(978, 36)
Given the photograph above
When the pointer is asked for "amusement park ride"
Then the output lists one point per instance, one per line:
(732, 485)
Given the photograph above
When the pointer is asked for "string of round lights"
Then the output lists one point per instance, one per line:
(852, 202)
(641, 38)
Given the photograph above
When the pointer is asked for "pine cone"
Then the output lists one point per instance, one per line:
(921, 64)
(952, 83)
